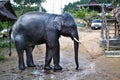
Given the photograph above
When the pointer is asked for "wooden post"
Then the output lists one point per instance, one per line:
(102, 38)
(104, 24)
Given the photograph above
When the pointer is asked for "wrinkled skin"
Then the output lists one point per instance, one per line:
(36, 28)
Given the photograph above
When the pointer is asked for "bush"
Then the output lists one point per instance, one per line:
(80, 14)
(109, 16)
(4, 44)
(2, 57)
(3, 25)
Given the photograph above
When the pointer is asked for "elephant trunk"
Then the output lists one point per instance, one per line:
(75, 37)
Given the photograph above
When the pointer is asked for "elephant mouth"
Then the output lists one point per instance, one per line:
(76, 40)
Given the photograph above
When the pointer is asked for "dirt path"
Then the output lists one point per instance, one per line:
(94, 65)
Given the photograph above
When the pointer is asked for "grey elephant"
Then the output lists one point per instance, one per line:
(36, 28)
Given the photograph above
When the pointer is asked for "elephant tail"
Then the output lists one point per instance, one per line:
(10, 40)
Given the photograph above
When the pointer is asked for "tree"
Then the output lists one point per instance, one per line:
(86, 15)
(38, 2)
(81, 13)
(27, 4)
(84, 1)
(71, 7)
(116, 3)
(104, 1)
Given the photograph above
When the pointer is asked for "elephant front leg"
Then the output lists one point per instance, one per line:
(52, 51)
(48, 58)
(56, 57)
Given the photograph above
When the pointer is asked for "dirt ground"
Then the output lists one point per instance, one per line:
(94, 65)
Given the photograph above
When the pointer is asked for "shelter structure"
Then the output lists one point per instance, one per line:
(93, 2)
(7, 14)
(94, 5)
(6, 11)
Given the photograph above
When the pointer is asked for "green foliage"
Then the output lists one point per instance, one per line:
(26, 9)
(3, 45)
(3, 25)
(81, 13)
(85, 14)
(84, 1)
(24, 6)
(71, 7)
(2, 57)
(99, 1)
(116, 3)
(94, 14)
(104, 1)
(28, 2)
(74, 6)
(90, 16)
(109, 16)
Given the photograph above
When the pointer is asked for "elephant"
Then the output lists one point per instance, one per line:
(35, 28)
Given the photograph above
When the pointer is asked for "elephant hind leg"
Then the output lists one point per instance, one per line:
(29, 60)
(20, 52)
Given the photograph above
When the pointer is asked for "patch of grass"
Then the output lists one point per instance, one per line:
(5, 43)
(2, 57)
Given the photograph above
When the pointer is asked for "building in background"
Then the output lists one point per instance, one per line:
(93, 5)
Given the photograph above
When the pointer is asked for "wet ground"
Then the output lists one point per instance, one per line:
(94, 65)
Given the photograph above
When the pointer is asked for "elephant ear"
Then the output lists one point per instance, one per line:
(58, 23)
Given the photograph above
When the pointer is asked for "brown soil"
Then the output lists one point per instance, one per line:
(94, 65)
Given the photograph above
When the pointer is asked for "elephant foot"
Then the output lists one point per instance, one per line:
(47, 67)
(57, 68)
(31, 65)
(21, 67)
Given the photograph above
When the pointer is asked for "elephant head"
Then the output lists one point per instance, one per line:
(66, 25)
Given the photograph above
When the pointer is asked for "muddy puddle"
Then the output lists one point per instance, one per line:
(87, 71)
